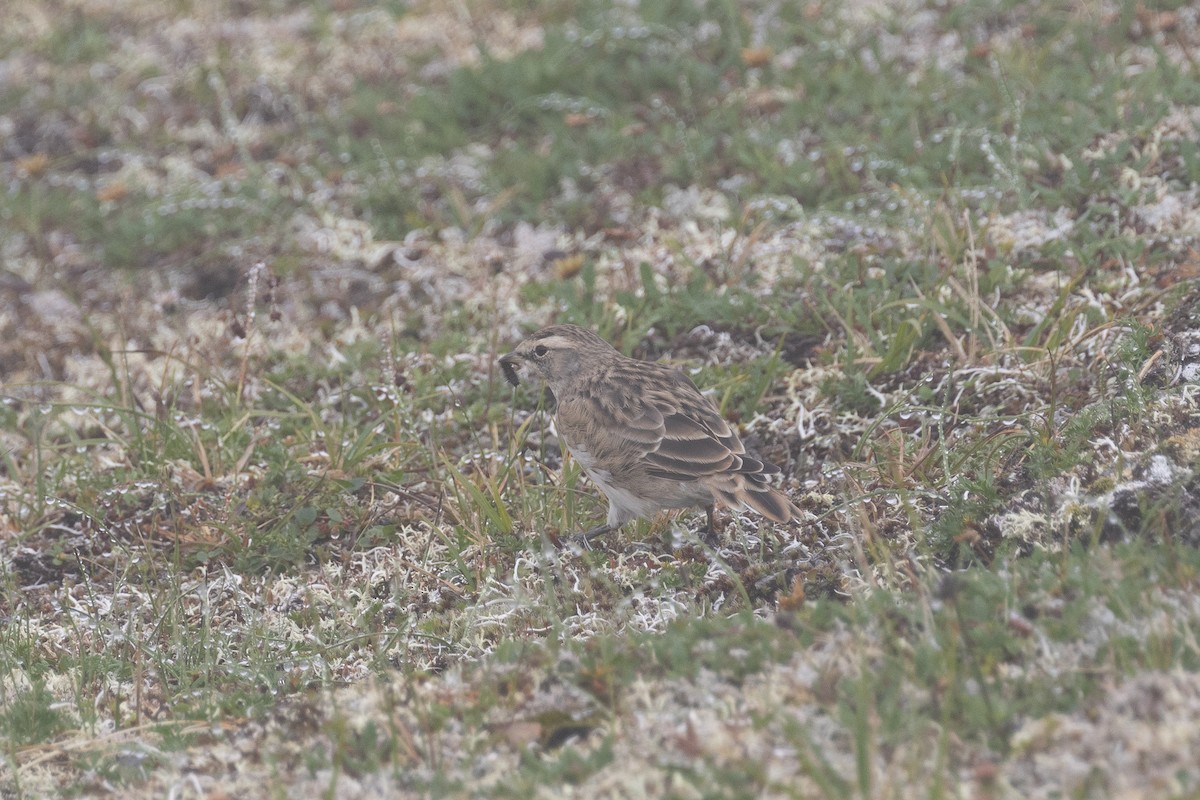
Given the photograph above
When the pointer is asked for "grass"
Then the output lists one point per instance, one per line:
(271, 519)
(971, 657)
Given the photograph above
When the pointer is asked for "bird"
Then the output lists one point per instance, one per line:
(642, 431)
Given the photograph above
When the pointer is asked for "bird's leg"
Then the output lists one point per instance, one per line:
(585, 538)
(710, 528)
(599, 530)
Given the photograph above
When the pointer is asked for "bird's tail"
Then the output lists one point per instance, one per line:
(751, 491)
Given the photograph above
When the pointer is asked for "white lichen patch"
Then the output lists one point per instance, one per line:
(1024, 232)
(1139, 739)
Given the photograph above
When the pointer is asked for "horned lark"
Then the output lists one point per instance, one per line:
(642, 431)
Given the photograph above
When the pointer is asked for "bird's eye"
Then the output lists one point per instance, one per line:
(541, 350)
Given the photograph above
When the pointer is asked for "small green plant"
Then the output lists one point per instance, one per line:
(30, 716)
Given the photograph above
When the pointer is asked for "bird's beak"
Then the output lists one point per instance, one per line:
(510, 364)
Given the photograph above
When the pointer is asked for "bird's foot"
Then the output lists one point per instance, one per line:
(584, 539)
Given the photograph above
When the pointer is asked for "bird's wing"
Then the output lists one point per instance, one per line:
(677, 431)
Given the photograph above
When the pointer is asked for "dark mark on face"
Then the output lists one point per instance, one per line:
(509, 364)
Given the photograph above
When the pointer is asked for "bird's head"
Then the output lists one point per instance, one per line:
(555, 356)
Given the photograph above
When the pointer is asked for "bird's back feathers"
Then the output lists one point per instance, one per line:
(646, 420)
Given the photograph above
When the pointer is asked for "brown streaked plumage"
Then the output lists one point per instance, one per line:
(642, 431)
